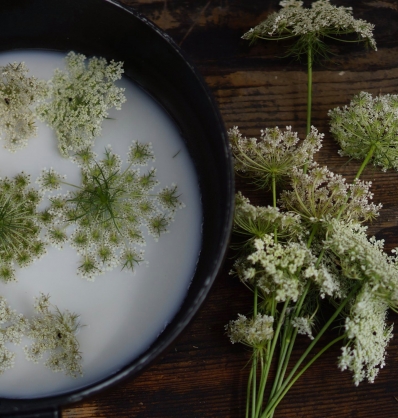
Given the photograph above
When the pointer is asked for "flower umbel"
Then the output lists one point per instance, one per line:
(20, 225)
(368, 336)
(81, 98)
(253, 222)
(109, 210)
(54, 333)
(12, 328)
(19, 96)
(368, 126)
(253, 332)
(362, 258)
(320, 195)
(311, 26)
(273, 155)
(280, 268)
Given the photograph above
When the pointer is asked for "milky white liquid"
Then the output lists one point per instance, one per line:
(122, 313)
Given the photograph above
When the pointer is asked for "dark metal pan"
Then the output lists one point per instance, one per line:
(109, 29)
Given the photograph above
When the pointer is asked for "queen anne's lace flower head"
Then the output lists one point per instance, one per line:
(12, 328)
(109, 212)
(253, 332)
(20, 225)
(80, 100)
(273, 155)
(368, 336)
(19, 96)
(253, 222)
(279, 269)
(54, 333)
(362, 258)
(304, 326)
(320, 195)
(368, 126)
(311, 26)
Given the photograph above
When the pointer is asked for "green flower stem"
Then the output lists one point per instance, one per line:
(309, 93)
(255, 354)
(286, 351)
(314, 230)
(290, 336)
(292, 340)
(249, 383)
(255, 302)
(287, 344)
(65, 183)
(309, 87)
(365, 162)
(269, 358)
(274, 204)
(290, 333)
(286, 385)
(273, 190)
(254, 383)
(281, 396)
(270, 346)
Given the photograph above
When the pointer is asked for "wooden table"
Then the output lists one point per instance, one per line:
(203, 375)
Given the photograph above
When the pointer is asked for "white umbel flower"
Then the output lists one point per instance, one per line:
(80, 99)
(273, 155)
(253, 332)
(311, 26)
(368, 336)
(368, 125)
(19, 97)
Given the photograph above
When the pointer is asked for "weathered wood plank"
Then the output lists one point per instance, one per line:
(203, 375)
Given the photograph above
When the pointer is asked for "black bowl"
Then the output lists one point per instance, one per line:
(109, 29)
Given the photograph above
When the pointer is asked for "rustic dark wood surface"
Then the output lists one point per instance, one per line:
(203, 375)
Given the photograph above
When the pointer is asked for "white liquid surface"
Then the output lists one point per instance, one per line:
(122, 313)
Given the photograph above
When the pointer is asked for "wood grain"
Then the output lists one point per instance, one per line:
(203, 375)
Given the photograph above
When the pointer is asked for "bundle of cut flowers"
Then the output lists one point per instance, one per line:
(312, 243)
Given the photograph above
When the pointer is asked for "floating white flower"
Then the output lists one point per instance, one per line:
(54, 334)
(20, 225)
(12, 328)
(109, 210)
(80, 99)
(19, 97)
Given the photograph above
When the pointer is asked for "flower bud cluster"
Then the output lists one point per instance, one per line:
(12, 328)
